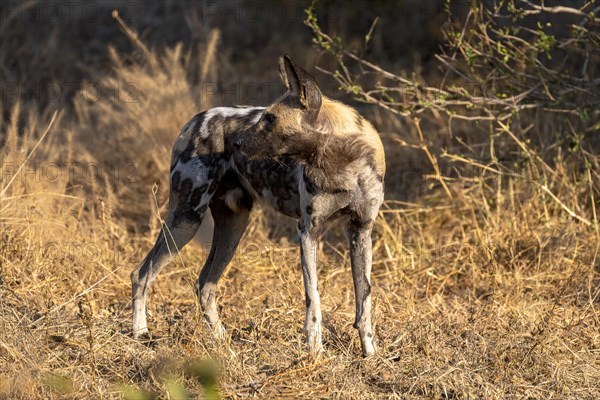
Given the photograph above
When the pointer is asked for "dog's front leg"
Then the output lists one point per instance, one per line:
(359, 236)
(312, 325)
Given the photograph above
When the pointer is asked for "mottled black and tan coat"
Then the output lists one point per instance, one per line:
(307, 156)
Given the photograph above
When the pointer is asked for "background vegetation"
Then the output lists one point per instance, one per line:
(486, 265)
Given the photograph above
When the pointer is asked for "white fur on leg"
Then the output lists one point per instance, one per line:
(313, 320)
(140, 326)
(313, 325)
(218, 331)
(314, 337)
(368, 347)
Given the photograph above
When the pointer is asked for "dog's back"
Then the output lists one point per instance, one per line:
(202, 154)
(207, 131)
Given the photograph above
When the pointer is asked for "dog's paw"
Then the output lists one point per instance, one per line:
(218, 331)
(368, 347)
(147, 339)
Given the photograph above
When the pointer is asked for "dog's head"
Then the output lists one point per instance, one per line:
(286, 126)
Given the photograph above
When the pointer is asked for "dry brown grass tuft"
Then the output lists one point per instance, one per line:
(493, 294)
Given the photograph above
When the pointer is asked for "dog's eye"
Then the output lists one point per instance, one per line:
(270, 118)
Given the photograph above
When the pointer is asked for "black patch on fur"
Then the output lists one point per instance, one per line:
(185, 213)
(202, 209)
(308, 302)
(185, 194)
(185, 189)
(197, 195)
(253, 114)
(189, 215)
(314, 319)
(212, 162)
(246, 121)
(309, 209)
(308, 183)
(146, 265)
(369, 335)
(247, 199)
(301, 229)
(279, 176)
(213, 186)
(219, 129)
(176, 180)
(281, 192)
(190, 151)
(357, 223)
(199, 119)
(230, 181)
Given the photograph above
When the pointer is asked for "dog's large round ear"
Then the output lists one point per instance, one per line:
(301, 84)
(310, 94)
(287, 71)
(283, 73)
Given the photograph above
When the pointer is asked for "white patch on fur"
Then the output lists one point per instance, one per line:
(233, 198)
(193, 169)
(204, 200)
(225, 112)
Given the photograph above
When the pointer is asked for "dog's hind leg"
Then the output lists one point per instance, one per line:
(230, 210)
(188, 203)
(175, 234)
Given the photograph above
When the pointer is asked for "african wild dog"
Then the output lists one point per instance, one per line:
(307, 156)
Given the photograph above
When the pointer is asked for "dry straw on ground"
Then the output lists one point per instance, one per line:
(486, 283)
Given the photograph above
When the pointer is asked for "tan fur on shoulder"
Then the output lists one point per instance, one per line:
(339, 119)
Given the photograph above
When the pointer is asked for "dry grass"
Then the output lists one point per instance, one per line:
(491, 294)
